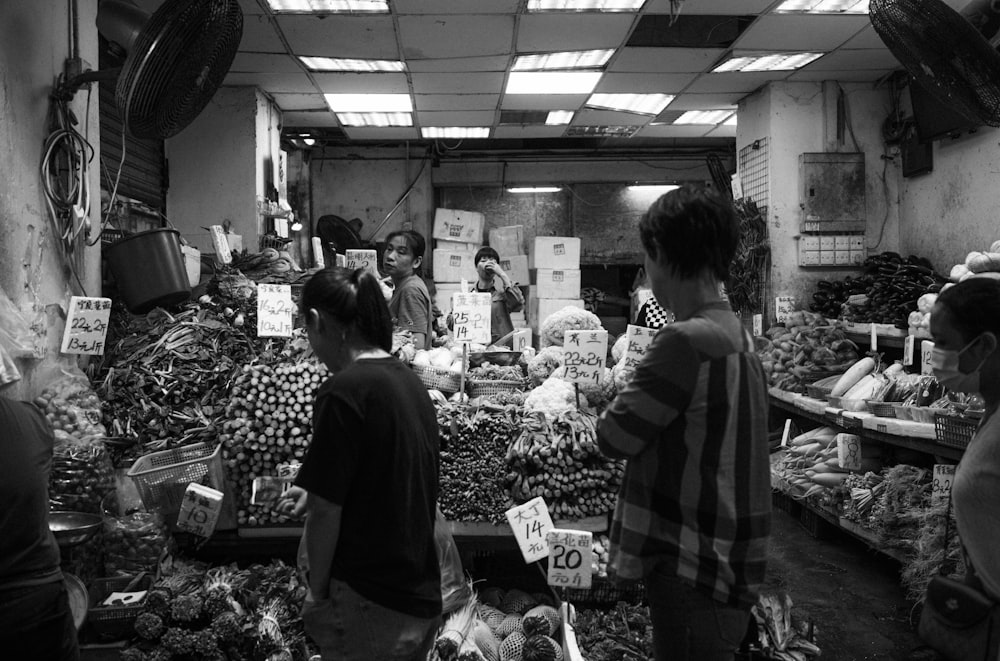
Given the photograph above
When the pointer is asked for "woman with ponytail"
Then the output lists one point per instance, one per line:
(369, 483)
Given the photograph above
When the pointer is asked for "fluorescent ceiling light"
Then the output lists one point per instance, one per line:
(369, 102)
(704, 117)
(613, 131)
(534, 189)
(581, 59)
(552, 82)
(329, 6)
(731, 121)
(585, 5)
(653, 188)
(343, 64)
(767, 62)
(558, 117)
(455, 132)
(643, 104)
(375, 118)
(823, 7)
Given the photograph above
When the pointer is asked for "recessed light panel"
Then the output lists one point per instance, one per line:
(369, 102)
(455, 132)
(342, 64)
(643, 104)
(557, 117)
(552, 82)
(823, 7)
(375, 118)
(329, 6)
(767, 62)
(583, 59)
(704, 117)
(585, 5)
(534, 189)
(616, 131)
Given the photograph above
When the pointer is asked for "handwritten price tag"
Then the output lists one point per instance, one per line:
(521, 339)
(571, 553)
(362, 259)
(758, 325)
(319, 260)
(531, 522)
(638, 339)
(584, 355)
(944, 476)
(908, 346)
(926, 348)
(471, 312)
(200, 510)
(783, 306)
(274, 310)
(849, 452)
(86, 325)
(221, 243)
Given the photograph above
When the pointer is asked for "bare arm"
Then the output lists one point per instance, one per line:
(322, 533)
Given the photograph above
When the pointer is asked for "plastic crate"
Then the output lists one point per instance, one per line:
(818, 392)
(605, 592)
(114, 622)
(815, 525)
(435, 378)
(954, 431)
(883, 409)
(490, 387)
(162, 477)
(782, 501)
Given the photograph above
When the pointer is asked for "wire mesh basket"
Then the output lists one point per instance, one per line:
(883, 409)
(491, 387)
(435, 378)
(114, 622)
(954, 431)
(162, 477)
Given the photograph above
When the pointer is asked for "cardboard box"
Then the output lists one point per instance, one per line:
(458, 225)
(508, 240)
(540, 308)
(556, 283)
(451, 266)
(442, 295)
(516, 267)
(554, 252)
(460, 246)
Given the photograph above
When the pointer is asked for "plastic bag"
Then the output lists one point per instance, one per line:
(82, 474)
(16, 335)
(134, 539)
(71, 405)
(455, 588)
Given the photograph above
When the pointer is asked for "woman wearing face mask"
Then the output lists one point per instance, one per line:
(965, 325)
(369, 483)
(410, 305)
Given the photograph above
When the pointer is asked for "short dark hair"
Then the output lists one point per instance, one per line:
(415, 242)
(692, 229)
(484, 252)
(353, 298)
(975, 306)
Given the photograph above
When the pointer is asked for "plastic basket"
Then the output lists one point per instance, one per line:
(490, 387)
(162, 477)
(604, 592)
(273, 241)
(953, 431)
(435, 378)
(817, 392)
(883, 409)
(114, 622)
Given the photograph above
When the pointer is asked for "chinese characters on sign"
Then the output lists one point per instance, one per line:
(849, 452)
(274, 310)
(531, 522)
(944, 475)
(638, 340)
(200, 510)
(521, 339)
(86, 325)
(585, 353)
(783, 306)
(571, 553)
(362, 259)
(471, 312)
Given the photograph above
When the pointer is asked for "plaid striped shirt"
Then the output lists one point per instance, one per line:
(693, 424)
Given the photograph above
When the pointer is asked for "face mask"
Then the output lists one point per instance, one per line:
(944, 363)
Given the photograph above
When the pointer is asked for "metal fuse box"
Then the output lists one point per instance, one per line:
(833, 192)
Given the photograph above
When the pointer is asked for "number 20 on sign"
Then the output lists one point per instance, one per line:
(571, 553)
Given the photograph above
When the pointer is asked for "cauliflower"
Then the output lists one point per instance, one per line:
(186, 608)
(227, 627)
(149, 626)
(569, 318)
(543, 364)
(178, 641)
(554, 397)
(620, 376)
(598, 395)
(618, 350)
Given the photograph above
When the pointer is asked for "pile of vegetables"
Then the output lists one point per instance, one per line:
(779, 634)
(623, 633)
(806, 345)
(553, 328)
(269, 423)
(748, 272)
(558, 459)
(270, 265)
(811, 465)
(978, 264)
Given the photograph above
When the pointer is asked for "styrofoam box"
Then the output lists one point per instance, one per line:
(458, 225)
(556, 283)
(442, 295)
(554, 252)
(192, 262)
(452, 266)
(516, 267)
(456, 245)
(508, 240)
(540, 308)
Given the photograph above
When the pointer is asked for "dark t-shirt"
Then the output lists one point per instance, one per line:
(410, 308)
(28, 551)
(375, 453)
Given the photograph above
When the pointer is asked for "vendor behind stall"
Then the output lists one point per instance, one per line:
(507, 296)
(410, 305)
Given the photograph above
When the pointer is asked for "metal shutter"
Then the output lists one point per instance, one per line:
(144, 171)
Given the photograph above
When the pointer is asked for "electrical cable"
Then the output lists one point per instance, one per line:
(885, 218)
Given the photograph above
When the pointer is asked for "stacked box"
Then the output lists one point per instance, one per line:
(555, 276)
(454, 265)
(508, 241)
(457, 236)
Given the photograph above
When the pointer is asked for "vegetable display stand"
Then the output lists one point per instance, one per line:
(490, 387)
(954, 431)
(114, 622)
(435, 378)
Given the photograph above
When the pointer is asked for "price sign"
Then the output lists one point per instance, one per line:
(637, 341)
(317, 246)
(471, 312)
(584, 355)
(531, 522)
(274, 310)
(926, 348)
(783, 306)
(200, 509)
(874, 338)
(908, 345)
(221, 244)
(362, 259)
(849, 452)
(786, 432)
(758, 325)
(944, 476)
(521, 339)
(571, 553)
(86, 325)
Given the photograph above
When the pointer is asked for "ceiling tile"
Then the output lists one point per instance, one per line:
(688, 101)
(543, 102)
(273, 83)
(796, 32)
(670, 60)
(853, 76)
(456, 101)
(459, 64)
(289, 102)
(734, 82)
(722, 131)
(745, 7)
(265, 63)
(849, 60)
(259, 36)
(460, 118)
(250, 7)
(672, 131)
(528, 132)
(455, 6)
(341, 35)
(461, 83)
(588, 117)
(455, 35)
(382, 133)
(644, 83)
(359, 83)
(541, 33)
(867, 38)
(307, 119)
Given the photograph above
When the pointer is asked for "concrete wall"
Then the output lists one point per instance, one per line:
(33, 48)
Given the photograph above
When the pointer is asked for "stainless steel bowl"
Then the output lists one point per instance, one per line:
(72, 528)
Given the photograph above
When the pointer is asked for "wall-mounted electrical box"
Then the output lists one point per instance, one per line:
(832, 250)
(833, 192)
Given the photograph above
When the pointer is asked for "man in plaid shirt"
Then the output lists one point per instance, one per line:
(694, 511)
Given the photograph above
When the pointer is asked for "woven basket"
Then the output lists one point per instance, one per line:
(435, 378)
(817, 392)
(953, 431)
(490, 387)
(883, 409)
